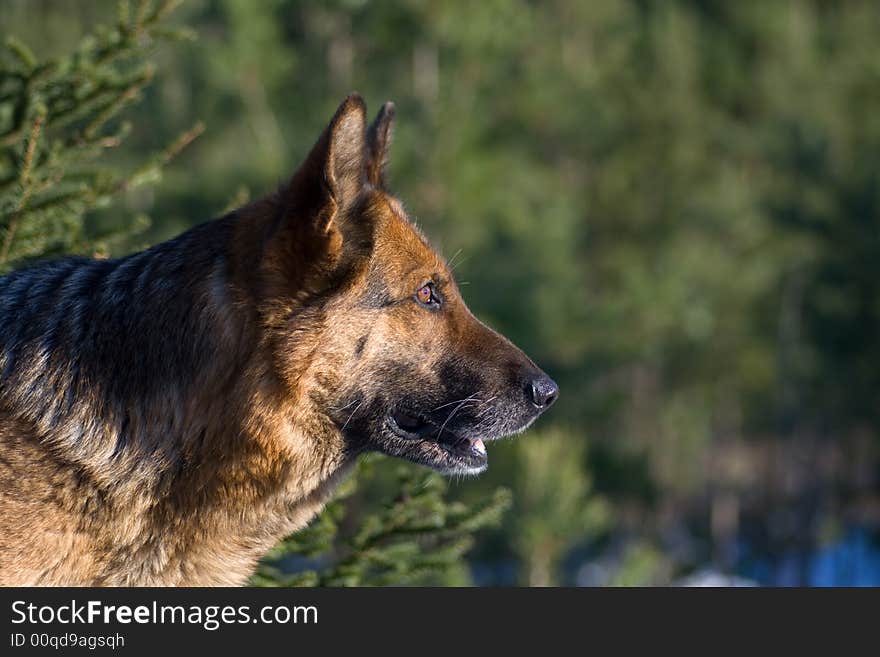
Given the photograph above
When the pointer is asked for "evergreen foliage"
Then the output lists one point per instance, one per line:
(414, 536)
(58, 118)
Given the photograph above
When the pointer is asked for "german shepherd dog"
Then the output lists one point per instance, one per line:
(167, 417)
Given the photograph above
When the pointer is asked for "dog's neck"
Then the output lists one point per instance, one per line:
(196, 462)
(264, 463)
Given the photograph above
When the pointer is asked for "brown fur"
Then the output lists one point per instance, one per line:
(166, 418)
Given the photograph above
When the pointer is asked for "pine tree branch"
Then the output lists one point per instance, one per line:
(21, 53)
(59, 201)
(152, 168)
(26, 187)
(114, 107)
(129, 39)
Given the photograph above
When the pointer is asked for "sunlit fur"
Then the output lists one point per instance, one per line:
(167, 417)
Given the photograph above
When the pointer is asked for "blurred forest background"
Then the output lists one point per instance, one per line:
(674, 207)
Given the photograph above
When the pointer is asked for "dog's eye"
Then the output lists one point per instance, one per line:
(426, 296)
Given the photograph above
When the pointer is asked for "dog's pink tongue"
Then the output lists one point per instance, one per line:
(478, 446)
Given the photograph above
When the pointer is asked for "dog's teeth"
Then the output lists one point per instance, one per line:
(478, 446)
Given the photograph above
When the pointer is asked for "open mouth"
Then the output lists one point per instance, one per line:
(442, 448)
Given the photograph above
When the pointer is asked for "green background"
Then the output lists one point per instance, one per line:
(673, 207)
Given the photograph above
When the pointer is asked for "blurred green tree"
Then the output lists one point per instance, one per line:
(555, 507)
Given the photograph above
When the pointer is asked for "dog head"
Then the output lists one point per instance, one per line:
(374, 331)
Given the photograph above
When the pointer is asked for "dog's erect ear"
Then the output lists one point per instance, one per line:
(331, 178)
(378, 143)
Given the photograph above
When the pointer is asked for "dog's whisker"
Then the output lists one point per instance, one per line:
(450, 416)
(348, 405)
(451, 263)
(452, 267)
(352, 415)
(471, 398)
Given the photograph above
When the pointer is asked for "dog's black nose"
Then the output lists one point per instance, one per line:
(543, 391)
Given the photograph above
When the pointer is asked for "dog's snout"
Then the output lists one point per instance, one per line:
(542, 391)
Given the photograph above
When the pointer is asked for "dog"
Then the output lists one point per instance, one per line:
(167, 417)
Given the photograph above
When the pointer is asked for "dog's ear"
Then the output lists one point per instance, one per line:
(333, 174)
(378, 143)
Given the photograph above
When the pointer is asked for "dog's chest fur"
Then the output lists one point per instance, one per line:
(205, 522)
